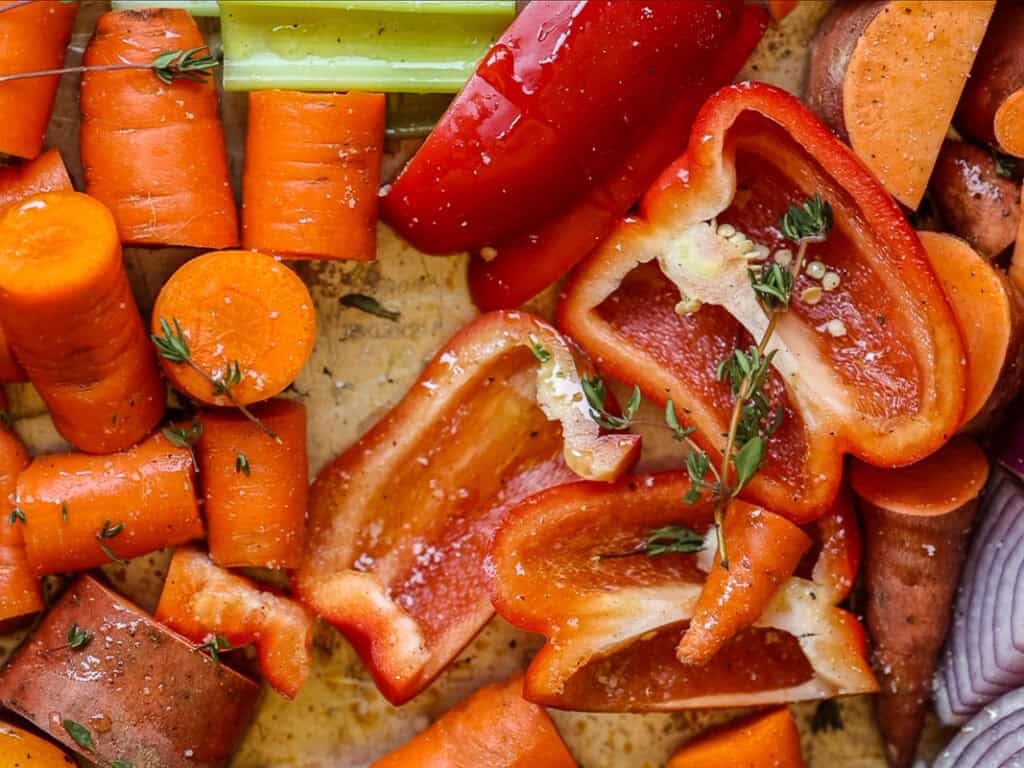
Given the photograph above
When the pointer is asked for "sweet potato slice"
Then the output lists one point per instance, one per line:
(991, 109)
(976, 202)
(916, 522)
(887, 76)
(134, 691)
(990, 312)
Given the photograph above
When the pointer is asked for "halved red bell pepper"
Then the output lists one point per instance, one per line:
(874, 368)
(494, 728)
(613, 623)
(568, 119)
(400, 524)
(205, 602)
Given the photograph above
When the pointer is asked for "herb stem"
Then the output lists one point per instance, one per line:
(71, 70)
(235, 401)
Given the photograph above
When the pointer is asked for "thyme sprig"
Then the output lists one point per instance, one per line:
(663, 541)
(173, 346)
(191, 64)
(215, 646)
(596, 393)
(110, 531)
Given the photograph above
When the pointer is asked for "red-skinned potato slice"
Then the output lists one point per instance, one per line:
(990, 313)
(612, 624)
(890, 391)
(399, 525)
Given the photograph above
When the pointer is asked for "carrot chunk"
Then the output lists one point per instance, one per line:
(154, 152)
(761, 741)
(33, 37)
(254, 488)
(19, 588)
(82, 511)
(72, 321)
(312, 172)
(237, 307)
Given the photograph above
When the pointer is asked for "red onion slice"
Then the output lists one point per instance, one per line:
(994, 738)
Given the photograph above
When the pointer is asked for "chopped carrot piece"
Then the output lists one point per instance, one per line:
(254, 488)
(154, 152)
(71, 319)
(312, 172)
(82, 511)
(237, 307)
(20, 594)
(761, 741)
(44, 174)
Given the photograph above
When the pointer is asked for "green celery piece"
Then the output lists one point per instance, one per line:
(195, 7)
(415, 46)
(414, 115)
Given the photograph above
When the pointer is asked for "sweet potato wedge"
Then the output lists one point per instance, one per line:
(974, 200)
(886, 75)
(917, 521)
(989, 310)
(991, 109)
(134, 691)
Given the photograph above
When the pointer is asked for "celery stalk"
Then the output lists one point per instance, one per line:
(415, 46)
(413, 115)
(195, 7)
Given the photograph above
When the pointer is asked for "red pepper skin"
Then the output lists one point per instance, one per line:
(201, 600)
(890, 391)
(493, 728)
(564, 101)
(401, 523)
(613, 623)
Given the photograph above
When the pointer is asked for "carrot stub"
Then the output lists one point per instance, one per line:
(916, 522)
(312, 172)
(19, 747)
(72, 321)
(237, 307)
(494, 728)
(761, 741)
(154, 152)
(254, 488)
(764, 550)
(19, 588)
(33, 37)
(82, 511)
(201, 599)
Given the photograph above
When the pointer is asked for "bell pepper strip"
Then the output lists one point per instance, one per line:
(612, 623)
(766, 550)
(769, 740)
(205, 603)
(20, 594)
(400, 524)
(493, 728)
(872, 367)
(527, 141)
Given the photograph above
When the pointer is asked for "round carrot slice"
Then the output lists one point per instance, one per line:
(241, 312)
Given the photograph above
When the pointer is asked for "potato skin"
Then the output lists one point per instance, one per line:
(974, 201)
(143, 692)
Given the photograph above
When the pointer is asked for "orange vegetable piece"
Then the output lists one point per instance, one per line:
(238, 307)
(780, 9)
(764, 550)
(201, 600)
(255, 516)
(33, 37)
(19, 588)
(73, 324)
(23, 749)
(10, 370)
(494, 728)
(768, 740)
(69, 499)
(154, 153)
(312, 173)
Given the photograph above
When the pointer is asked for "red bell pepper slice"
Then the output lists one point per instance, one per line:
(400, 524)
(769, 740)
(613, 623)
(203, 602)
(888, 387)
(527, 149)
(495, 728)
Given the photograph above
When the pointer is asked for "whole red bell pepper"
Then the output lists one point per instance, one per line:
(493, 728)
(568, 119)
(869, 359)
(208, 604)
(400, 523)
(567, 564)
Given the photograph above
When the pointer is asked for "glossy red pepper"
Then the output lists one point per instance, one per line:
(566, 122)
(613, 623)
(400, 524)
(874, 368)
